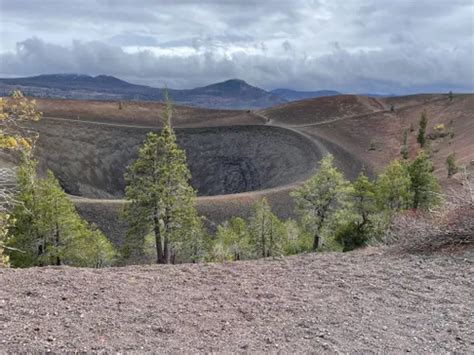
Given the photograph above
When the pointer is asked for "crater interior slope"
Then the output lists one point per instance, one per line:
(238, 157)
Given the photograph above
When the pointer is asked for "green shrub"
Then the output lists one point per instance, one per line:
(350, 237)
(451, 165)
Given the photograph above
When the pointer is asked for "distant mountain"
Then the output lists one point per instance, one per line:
(368, 94)
(293, 95)
(72, 81)
(231, 87)
(230, 94)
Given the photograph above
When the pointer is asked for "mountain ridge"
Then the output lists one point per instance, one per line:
(229, 94)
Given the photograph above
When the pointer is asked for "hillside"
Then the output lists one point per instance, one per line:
(371, 131)
(142, 113)
(74, 81)
(294, 95)
(322, 109)
(230, 94)
(360, 302)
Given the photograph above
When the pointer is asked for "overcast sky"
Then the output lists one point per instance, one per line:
(395, 46)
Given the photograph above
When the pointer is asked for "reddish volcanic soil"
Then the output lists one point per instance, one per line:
(362, 302)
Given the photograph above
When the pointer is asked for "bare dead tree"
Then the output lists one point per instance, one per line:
(7, 189)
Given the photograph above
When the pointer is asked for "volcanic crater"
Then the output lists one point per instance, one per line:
(90, 159)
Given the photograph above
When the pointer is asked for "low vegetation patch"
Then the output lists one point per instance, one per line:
(449, 229)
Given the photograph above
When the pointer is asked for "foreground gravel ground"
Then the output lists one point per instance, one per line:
(360, 302)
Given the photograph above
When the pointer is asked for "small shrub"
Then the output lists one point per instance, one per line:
(451, 165)
(451, 133)
(350, 237)
(451, 227)
(439, 131)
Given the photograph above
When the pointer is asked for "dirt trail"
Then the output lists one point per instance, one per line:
(99, 123)
(364, 302)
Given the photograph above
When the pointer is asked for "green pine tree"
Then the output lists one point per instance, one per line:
(404, 150)
(421, 138)
(189, 246)
(393, 187)
(296, 240)
(363, 207)
(159, 196)
(232, 240)
(46, 229)
(364, 200)
(267, 232)
(320, 197)
(424, 185)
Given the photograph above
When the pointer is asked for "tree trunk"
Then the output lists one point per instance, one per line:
(40, 252)
(159, 249)
(316, 242)
(166, 242)
(319, 227)
(56, 245)
(416, 201)
(166, 251)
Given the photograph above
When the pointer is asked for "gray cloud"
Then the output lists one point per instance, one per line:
(353, 46)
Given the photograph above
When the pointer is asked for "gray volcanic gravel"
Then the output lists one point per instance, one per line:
(361, 302)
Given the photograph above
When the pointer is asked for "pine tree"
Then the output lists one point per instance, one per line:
(296, 240)
(421, 139)
(320, 197)
(393, 187)
(404, 150)
(190, 245)
(266, 230)
(232, 241)
(363, 206)
(363, 199)
(46, 229)
(424, 185)
(240, 240)
(159, 196)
